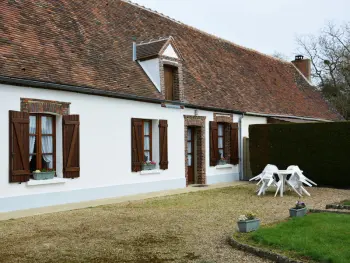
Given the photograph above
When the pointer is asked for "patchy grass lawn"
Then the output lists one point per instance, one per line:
(190, 227)
(324, 237)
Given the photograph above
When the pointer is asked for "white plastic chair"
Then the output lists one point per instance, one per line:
(303, 178)
(295, 183)
(297, 180)
(267, 178)
(270, 168)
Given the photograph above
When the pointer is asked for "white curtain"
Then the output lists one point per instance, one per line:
(32, 130)
(46, 141)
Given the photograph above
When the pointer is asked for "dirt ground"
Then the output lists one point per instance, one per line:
(190, 227)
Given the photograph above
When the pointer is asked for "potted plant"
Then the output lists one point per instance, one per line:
(222, 161)
(149, 165)
(44, 174)
(298, 210)
(248, 222)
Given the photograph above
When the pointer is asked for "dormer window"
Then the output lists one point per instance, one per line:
(169, 82)
(161, 61)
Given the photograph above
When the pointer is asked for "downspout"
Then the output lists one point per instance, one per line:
(134, 51)
(240, 147)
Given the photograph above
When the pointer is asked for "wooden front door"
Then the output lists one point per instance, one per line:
(190, 155)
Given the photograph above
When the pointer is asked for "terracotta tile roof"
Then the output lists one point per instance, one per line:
(150, 49)
(89, 43)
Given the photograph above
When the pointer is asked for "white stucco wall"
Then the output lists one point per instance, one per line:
(170, 52)
(105, 150)
(248, 120)
(151, 67)
(105, 145)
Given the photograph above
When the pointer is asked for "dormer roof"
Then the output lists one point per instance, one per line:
(157, 47)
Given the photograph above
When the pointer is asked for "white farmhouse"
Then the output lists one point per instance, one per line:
(113, 99)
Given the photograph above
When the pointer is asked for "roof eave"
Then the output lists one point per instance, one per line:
(287, 116)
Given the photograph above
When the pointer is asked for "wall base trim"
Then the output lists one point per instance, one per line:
(222, 178)
(23, 202)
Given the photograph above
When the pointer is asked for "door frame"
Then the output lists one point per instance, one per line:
(199, 123)
(193, 154)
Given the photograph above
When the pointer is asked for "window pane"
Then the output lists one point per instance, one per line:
(189, 134)
(189, 160)
(32, 124)
(221, 142)
(221, 153)
(189, 147)
(147, 156)
(46, 125)
(32, 163)
(220, 129)
(32, 148)
(146, 127)
(146, 143)
(46, 144)
(47, 161)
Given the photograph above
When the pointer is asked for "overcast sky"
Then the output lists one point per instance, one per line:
(265, 25)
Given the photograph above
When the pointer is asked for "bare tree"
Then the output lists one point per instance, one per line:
(280, 56)
(330, 58)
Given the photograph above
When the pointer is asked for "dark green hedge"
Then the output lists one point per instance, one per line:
(321, 150)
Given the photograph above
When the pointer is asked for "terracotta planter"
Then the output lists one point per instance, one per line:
(248, 225)
(43, 175)
(297, 212)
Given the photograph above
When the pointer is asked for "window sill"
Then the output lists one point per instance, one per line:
(56, 180)
(223, 166)
(155, 171)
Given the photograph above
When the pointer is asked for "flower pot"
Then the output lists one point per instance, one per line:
(43, 175)
(222, 162)
(248, 225)
(148, 166)
(297, 212)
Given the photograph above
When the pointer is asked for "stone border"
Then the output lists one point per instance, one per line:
(266, 254)
(338, 206)
(327, 211)
(261, 252)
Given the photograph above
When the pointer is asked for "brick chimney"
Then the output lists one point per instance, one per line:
(304, 65)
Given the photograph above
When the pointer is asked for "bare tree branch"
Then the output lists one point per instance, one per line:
(330, 58)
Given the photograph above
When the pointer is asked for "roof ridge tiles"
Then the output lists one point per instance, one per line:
(206, 33)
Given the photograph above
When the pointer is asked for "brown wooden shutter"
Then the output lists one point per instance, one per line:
(163, 144)
(234, 143)
(214, 151)
(19, 146)
(71, 146)
(137, 157)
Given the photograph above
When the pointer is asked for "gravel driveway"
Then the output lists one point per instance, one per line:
(188, 227)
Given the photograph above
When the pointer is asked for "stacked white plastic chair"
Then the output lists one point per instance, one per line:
(267, 168)
(266, 178)
(297, 179)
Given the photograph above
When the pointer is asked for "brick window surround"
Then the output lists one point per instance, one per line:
(225, 118)
(199, 123)
(44, 106)
(178, 85)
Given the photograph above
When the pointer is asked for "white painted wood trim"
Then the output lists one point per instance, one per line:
(49, 181)
(150, 172)
(223, 166)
